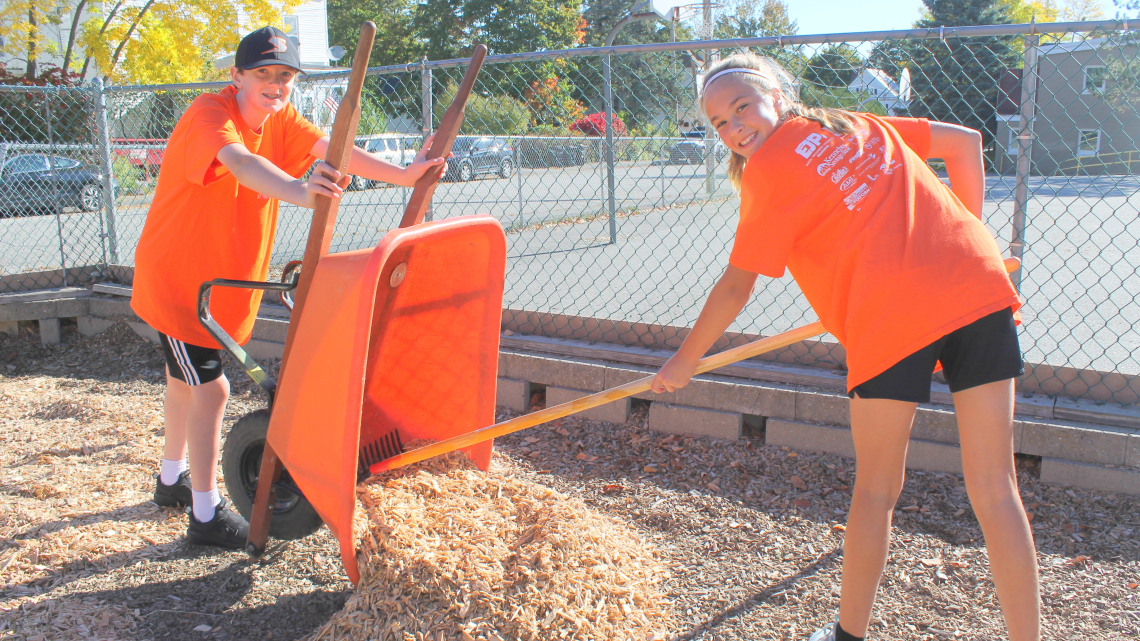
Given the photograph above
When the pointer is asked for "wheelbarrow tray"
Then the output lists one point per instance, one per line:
(401, 339)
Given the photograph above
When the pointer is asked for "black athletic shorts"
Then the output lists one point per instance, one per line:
(985, 351)
(191, 364)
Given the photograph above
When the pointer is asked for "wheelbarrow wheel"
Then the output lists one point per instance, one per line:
(293, 515)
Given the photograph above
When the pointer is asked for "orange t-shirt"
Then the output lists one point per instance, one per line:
(203, 225)
(886, 254)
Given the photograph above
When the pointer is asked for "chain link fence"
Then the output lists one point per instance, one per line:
(618, 212)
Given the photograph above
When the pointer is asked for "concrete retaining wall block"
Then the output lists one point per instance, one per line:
(49, 331)
(1074, 443)
(810, 437)
(90, 325)
(616, 375)
(562, 372)
(921, 455)
(1092, 477)
(692, 421)
(823, 407)
(513, 395)
(614, 412)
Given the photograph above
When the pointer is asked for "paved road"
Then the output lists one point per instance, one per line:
(1081, 281)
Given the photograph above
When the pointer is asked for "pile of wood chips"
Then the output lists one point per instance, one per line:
(448, 552)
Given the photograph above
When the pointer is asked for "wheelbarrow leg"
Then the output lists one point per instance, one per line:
(263, 502)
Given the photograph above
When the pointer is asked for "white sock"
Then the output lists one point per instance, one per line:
(171, 470)
(204, 504)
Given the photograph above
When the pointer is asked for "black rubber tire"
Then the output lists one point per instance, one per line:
(293, 515)
(506, 168)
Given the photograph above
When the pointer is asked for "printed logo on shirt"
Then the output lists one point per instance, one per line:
(808, 145)
(838, 174)
(847, 183)
(832, 160)
(857, 195)
(279, 45)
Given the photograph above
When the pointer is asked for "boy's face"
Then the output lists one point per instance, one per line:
(742, 114)
(267, 88)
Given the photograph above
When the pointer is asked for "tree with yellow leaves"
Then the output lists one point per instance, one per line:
(167, 41)
(21, 23)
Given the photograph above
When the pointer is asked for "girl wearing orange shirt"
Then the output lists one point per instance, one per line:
(903, 272)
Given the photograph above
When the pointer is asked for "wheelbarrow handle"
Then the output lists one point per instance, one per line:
(441, 145)
(706, 364)
(225, 340)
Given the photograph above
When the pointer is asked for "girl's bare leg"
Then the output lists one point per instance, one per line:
(985, 427)
(881, 430)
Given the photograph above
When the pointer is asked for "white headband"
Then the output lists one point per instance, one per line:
(734, 70)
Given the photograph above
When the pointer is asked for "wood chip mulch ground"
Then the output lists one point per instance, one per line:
(748, 536)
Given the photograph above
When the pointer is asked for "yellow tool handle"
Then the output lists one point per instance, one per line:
(593, 400)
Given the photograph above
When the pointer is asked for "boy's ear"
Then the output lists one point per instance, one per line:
(234, 74)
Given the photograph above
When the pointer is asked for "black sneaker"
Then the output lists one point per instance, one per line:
(177, 495)
(227, 529)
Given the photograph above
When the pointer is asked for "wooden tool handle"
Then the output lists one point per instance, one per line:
(338, 155)
(706, 364)
(441, 144)
(320, 235)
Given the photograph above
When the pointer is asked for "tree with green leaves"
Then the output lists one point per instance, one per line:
(754, 19)
(833, 66)
(956, 80)
(396, 39)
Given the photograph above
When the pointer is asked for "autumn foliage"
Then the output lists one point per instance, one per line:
(595, 125)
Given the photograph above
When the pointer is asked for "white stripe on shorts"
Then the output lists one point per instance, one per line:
(178, 348)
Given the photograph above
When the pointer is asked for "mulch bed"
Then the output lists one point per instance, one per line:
(751, 535)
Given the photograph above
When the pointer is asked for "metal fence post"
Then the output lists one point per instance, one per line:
(608, 93)
(519, 181)
(55, 204)
(103, 134)
(426, 126)
(1025, 139)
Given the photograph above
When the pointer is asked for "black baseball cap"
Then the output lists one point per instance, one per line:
(267, 46)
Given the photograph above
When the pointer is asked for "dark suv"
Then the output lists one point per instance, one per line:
(475, 155)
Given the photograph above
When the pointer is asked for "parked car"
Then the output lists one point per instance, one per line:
(691, 151)
(390, 148)
(35, 183)
(475, 155)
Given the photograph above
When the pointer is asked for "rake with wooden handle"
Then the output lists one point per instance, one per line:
(706, 364)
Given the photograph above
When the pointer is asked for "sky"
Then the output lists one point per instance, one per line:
(844, 16)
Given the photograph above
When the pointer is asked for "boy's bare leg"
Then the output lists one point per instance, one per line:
(204, 431)
(881, 430)
(985, 427)
(176, 407)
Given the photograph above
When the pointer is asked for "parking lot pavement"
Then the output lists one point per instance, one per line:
(1080, 282)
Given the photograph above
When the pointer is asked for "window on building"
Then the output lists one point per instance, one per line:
(1096, 77)
(1089, 143)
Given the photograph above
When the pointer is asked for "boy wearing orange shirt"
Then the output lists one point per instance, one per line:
(232, 156)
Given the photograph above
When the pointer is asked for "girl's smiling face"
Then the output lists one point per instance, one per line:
(743, 115)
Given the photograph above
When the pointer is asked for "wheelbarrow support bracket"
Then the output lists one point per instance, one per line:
(248, 364)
